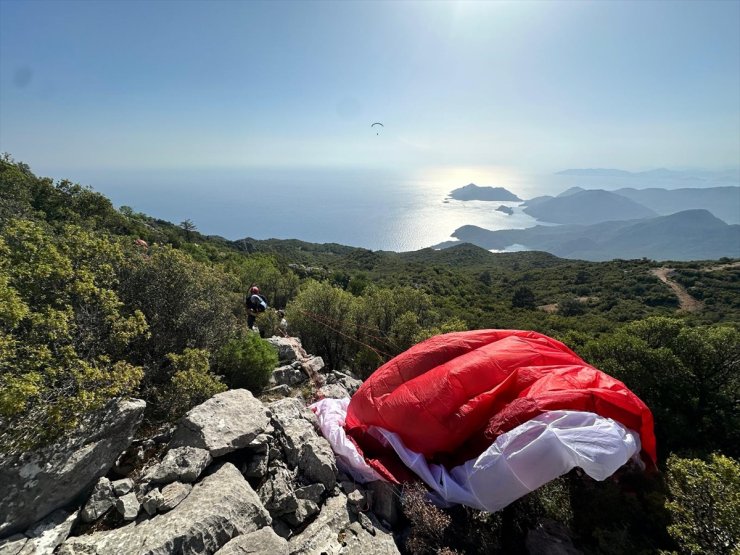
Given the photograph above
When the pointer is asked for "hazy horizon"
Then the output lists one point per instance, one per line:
(202, 110)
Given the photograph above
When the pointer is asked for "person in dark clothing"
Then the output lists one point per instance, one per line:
(256, 303)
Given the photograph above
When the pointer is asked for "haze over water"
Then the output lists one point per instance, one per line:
(362, 208)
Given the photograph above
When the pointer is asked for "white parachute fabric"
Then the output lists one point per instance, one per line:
(517, 463)
(331, 414)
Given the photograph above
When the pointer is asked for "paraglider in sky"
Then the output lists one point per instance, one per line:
(377, 123)
(484, 417)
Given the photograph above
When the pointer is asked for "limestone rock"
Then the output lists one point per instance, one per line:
(303, 511)
(303, 446)
(35, 483)
(262, 542)
(152, 502)
(219, 508)
(288, 348)
(47, 535)
(128, 506)
(335, 521)
(183, 464)
(283, 390)
(224, 423)
(277, 494)
(313, 365)
(346, 381)
(334, 391)
(173, 494)
(313, 492)
(12, 545)
(102, 499)
(289, 375)
(122, 487)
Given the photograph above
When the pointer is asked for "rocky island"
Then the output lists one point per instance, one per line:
(472, 191)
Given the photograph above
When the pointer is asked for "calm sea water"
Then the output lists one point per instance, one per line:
(370, 209)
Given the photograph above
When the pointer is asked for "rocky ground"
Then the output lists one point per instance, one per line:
(236, 475)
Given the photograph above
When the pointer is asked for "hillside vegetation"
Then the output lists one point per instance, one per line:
(87, 313)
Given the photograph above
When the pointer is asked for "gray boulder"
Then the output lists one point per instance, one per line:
(12, 545)
(128, 506)
(334, 391)
(289, 375)
(224, 423)
(35, 483)
(102, 499)
(288, 348)
(336, 521)
(172, 495)
(304, 510)
(277, 494)
(45, 536)
(313, 365)
(304, 448)
(183, 464)
(152, 502)
(345, 380)
(122, 487)
(262, 542)
(220, 507)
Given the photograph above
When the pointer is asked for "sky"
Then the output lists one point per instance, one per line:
(541, 86)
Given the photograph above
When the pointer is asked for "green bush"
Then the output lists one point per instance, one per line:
(64, 333)
(247, 362)
(191, 384)
(705, 504)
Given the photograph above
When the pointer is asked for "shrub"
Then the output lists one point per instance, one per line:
(64, 333)
(247, 362)
(268, 322)
(191, 384)
(705, 504)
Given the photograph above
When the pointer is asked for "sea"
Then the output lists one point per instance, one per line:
(373, 209)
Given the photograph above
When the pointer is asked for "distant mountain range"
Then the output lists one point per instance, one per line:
(474, 192)
(586, 207)
(687, 235)
(660, 173)
(583, 206)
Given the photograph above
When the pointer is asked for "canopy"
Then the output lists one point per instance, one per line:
(461, 403)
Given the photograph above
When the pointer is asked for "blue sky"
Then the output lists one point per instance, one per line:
(531, 85)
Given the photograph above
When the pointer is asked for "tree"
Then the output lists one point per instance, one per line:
(705, 504)
(64, 332)
(188, 226)
(523, 297)
(688, 376)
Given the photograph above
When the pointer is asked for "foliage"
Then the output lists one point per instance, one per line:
(705, 504)
(64, 332)
(247, 362)
(523, 297)
(191, 384)
(688, 375)
(188, 304)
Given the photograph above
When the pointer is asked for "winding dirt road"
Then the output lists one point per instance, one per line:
(685, 301)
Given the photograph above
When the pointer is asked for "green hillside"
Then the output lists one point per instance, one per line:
(89, 312)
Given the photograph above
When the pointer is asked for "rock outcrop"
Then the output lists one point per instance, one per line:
(226, 422)
(220, 507)
(34, 484)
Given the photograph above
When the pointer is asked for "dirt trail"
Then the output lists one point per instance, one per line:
(685, 301)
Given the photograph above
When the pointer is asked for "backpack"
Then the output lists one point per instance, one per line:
(257, 302)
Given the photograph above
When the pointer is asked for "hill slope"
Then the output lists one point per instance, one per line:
(587, 207)
(688, 235)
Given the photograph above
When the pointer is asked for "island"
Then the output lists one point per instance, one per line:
(474, 192)
(508, 210)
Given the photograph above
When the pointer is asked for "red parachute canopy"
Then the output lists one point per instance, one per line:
(451, 396)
